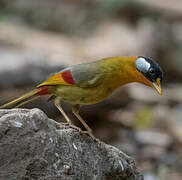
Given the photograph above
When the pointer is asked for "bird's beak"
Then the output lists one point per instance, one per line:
(157, 86)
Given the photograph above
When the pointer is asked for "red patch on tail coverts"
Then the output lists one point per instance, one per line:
(43, 91)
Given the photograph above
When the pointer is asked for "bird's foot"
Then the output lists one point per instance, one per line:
(72, 126)
(65, 124)
(89, 133)
(75, 127)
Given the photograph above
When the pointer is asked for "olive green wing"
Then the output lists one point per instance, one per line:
(81, 75)
(87, 74)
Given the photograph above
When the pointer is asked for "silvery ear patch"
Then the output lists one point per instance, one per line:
(142, 65)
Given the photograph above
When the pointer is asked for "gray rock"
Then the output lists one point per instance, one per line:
(32, 146)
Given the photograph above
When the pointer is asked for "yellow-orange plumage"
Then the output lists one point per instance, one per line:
(92, 82)
(56, 79)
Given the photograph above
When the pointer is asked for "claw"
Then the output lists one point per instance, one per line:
(89, 134)
(75, 127)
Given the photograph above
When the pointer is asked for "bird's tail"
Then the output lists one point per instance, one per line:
(26, 98)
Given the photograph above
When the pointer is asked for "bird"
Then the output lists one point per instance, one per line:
(92, 82)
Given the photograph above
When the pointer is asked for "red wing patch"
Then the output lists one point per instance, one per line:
(67, 76)
(61, 78)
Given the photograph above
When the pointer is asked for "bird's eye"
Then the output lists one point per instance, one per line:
(151, 71)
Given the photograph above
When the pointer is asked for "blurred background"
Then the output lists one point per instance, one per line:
(40, 37)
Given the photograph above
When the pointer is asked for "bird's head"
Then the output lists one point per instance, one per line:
(150, 73)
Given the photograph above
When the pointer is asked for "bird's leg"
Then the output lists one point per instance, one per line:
(57, 104)
(69, 122)
(75, 110)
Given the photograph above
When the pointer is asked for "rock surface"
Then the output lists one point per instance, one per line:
(32, 146)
